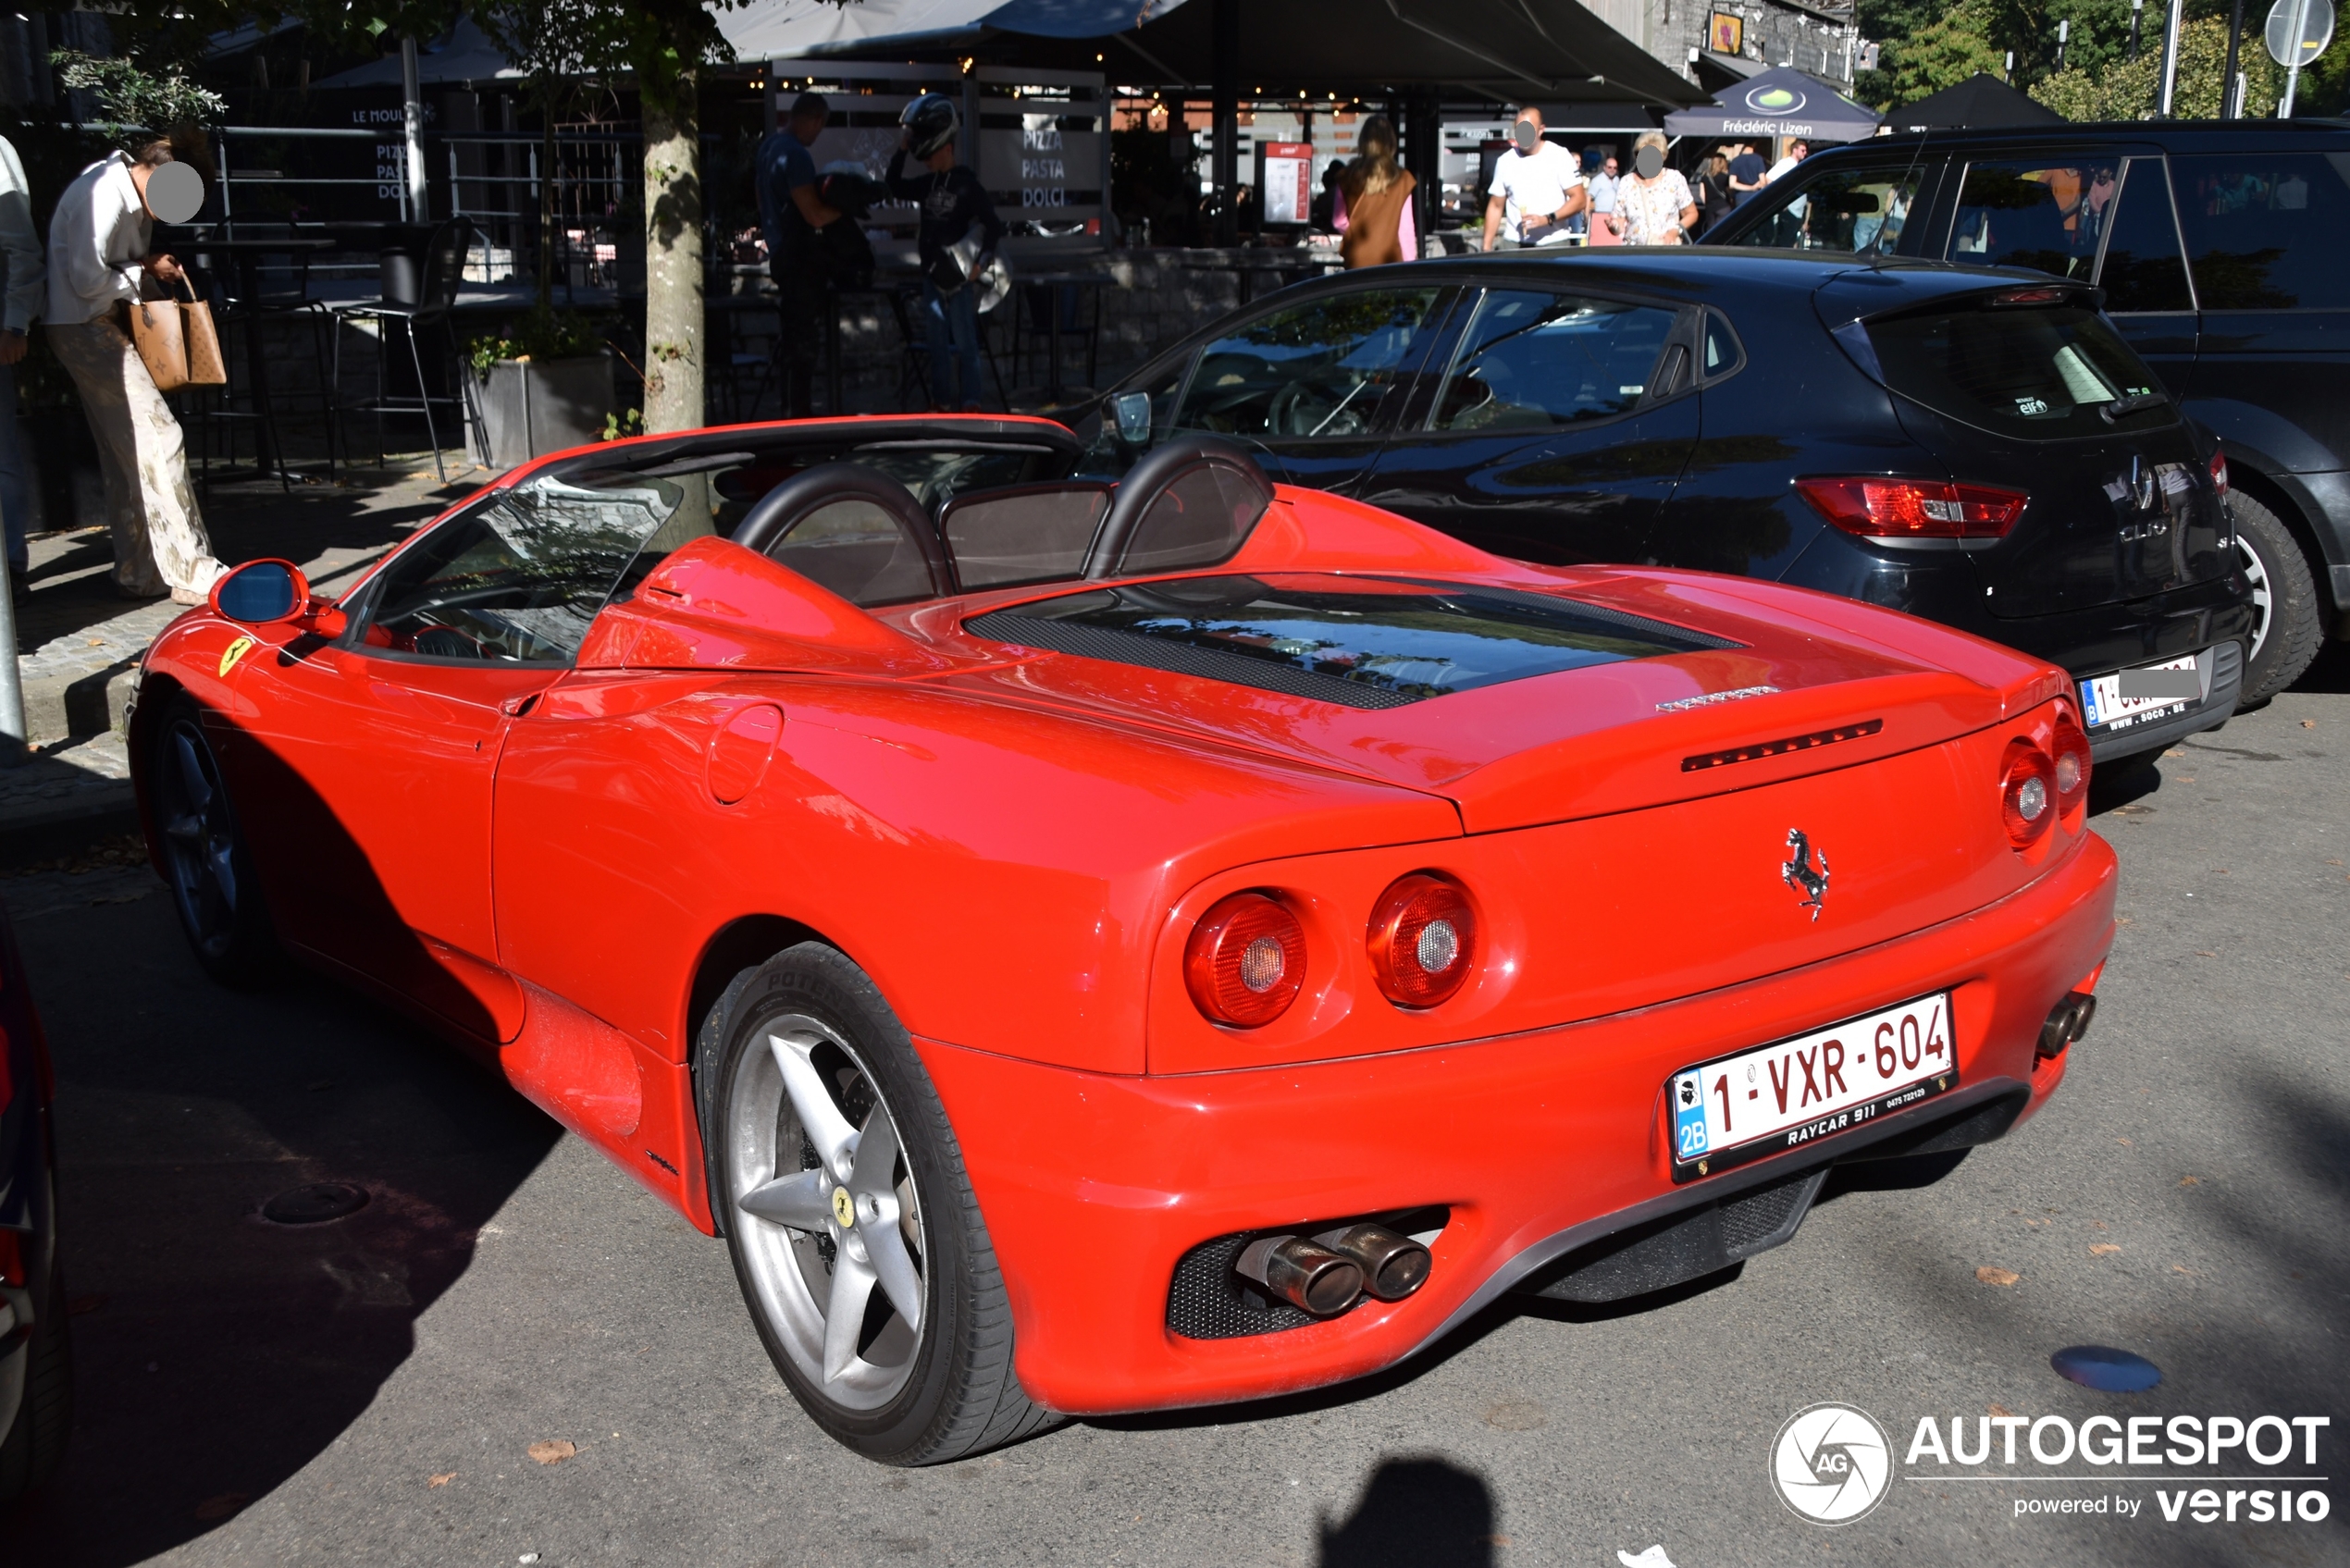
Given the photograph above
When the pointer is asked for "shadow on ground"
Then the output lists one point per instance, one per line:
(216, 1353)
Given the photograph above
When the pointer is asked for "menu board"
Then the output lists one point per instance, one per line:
(1285, 180)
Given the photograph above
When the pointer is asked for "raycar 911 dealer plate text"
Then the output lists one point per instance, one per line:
(1778, 1097)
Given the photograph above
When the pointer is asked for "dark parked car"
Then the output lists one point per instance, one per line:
(1977, 447)
(35, 1376)
(2224, 250)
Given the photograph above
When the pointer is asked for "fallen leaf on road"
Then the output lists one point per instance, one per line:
(2000, 1410)
(2333, 862)
(2126, 1143)
(221, 1507)
(2181, 1269)
(1517, 1416)
(442, 1480)
(2000, 1276)
(2191, 1181)
(2102, 1248)
(2308, 723)
(2125, 920)
(2174, 752)
(554, 1452)
(2201, 954)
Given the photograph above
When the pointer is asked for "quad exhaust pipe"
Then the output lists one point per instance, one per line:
(2068, 1022)
(1332, 1271)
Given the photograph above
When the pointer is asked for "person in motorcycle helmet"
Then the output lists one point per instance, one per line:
(958, 229)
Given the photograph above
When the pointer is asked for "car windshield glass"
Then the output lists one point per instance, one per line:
(1319, 369)
(1859, 209)
(2040, 371)
(1363, 642)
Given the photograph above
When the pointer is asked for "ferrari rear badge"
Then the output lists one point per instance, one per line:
(1809, 883)
(844, 1208)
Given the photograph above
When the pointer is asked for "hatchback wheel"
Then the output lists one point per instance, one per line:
(205, 857)
(855, 1235)
(2285, 598)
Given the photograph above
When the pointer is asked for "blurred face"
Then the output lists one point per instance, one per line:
(1528, 132)
(805, 129)
(1610, 165)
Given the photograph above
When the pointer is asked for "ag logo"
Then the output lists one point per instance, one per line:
(1774, 100)
(1832, 1464)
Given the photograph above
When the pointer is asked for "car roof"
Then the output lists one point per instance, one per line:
(2181, 136)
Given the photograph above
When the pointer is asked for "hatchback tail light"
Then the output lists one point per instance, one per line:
(2219, 472)
(1245, 961)
(2027, 794)
(1423, 939)
(1915, 508)
(2071, 764)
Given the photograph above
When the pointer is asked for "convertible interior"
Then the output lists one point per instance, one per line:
(880, 513)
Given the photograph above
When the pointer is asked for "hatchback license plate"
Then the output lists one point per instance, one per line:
(1776, 1097)
(2129, 697)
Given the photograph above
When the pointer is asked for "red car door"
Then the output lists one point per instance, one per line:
(372, 757)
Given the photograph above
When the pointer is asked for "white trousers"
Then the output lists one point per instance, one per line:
(159, 540)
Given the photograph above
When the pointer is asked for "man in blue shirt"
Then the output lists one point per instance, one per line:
(790, 213)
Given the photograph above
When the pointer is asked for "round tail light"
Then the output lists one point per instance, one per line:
(1423, 939)
(2071, 763)
(2027, 794)
(1246, 962)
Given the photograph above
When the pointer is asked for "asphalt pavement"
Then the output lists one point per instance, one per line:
(369, 1391)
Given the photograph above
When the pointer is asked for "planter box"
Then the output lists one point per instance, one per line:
(532, 407)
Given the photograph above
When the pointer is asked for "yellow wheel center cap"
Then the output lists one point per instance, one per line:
(844, 1207)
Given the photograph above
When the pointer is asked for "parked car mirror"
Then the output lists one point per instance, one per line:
(261, 592)
(1133, 413)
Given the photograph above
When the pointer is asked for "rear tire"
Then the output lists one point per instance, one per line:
(207, 862)
(924, 1391)
(35, 1441)
(2285, 637)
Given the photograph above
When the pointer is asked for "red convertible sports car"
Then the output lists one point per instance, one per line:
(1098, 948)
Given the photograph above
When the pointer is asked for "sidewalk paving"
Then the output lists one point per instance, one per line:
(78, 642)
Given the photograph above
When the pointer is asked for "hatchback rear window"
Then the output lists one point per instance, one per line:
(1360, 642)
(2040, 371)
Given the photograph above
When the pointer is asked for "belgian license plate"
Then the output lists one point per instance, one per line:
(2129, 697)
(1778, 1097)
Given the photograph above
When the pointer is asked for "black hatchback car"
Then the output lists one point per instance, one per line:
(1977, 447)
(2223, 252)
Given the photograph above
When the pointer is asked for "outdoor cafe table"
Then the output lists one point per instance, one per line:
(246, 256)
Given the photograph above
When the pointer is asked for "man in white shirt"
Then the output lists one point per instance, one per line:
(24, 287)
(1535, 182)
(1796, 151)
(98, 258)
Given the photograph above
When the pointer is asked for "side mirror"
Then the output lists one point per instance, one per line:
(261, 593)
(1133, 412)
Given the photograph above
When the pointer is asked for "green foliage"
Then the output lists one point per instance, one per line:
(137, 97)
(542, 334)
(2131, 89)
(2325, 82)
(1942, 52)
(620, 427)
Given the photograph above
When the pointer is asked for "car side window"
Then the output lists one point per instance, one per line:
(2044, 214)
(518, 580)
(1324, 367)
(2143, 270)
(1533, 360)
(2267, 231)
(1860, 209)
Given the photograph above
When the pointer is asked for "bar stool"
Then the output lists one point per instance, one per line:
(250, 296)
(433, 308)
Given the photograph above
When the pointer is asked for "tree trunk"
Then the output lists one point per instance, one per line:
(673, 259)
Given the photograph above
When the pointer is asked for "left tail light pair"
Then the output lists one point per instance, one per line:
(1914, 509)
(1245, 961)
(2037, 787)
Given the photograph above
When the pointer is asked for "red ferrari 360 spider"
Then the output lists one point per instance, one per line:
(1095, 948)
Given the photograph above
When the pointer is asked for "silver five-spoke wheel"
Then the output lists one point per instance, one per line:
(829, 1222)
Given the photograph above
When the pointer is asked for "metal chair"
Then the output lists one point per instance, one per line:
(434, 307)
(248, 295)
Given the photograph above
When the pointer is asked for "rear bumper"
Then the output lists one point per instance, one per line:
(1093, 1186)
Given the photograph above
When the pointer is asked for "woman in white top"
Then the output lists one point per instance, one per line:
(1653, 203)
(98, 260)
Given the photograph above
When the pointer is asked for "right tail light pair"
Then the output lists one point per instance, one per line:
(2037, 787)
(1245, 961)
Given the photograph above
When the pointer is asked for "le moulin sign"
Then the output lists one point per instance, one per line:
(1040, 141)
